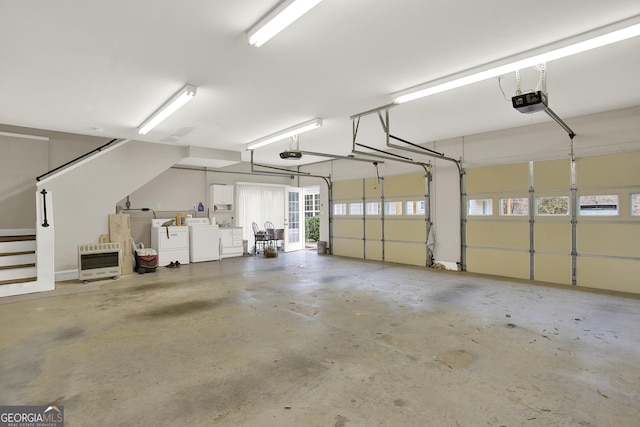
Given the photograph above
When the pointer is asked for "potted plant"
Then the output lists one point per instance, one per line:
(270, 251)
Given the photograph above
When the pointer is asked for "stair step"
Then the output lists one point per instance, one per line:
(16, 266)
(16, 253)
(22, 272)
(17, 246)
(14, 281)
(19, 238)
(19, 258)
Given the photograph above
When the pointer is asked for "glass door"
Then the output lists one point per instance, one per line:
(294, 236)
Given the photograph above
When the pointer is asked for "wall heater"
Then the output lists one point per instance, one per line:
(99, 260)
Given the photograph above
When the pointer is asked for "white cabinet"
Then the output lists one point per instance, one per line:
(231, 242)
(221, 197)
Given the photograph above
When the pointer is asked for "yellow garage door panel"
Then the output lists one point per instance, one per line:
(498, 178)
(347, 228)
(611, 274)
(407, 230)
(613, 170)
(373, 229)
(609, 239)
(553, 268)
(498, 263)
(552, 236)
(552, 175)
(372, 189)
(498, 234)
(347, 247)
(373, 250)
(404, 185)
(347, 189)
(405, 253)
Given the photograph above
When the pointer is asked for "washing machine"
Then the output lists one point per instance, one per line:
(171, 243)
(204, 240)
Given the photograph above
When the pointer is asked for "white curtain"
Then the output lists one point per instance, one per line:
(259, 203)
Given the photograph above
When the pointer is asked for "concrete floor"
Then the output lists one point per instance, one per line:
(311, 340)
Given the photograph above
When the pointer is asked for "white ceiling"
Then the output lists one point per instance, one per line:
(76, 65)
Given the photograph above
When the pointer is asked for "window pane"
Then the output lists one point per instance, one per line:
(374, 208)
(393, 208)
(515, 207)
(635, 205)
(415, 207)
(552, 205)
(340, 209)
(480, 207)
(600, 205)
(355, 208)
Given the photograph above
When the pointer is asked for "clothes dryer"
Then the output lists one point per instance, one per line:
(170, 242)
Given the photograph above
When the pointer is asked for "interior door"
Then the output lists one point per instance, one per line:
(294, 235)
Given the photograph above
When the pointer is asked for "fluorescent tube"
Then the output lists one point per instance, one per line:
(185, 95)
(279, 19)
(430, 88)
(286, 133)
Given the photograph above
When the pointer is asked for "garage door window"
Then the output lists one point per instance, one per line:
(355, 208)
(555, 206)
(340, 209)
(374, 208)
(393, 208)
(635, 205)
(415, 207)
(480, 207)
(514, 207)
(600, 205)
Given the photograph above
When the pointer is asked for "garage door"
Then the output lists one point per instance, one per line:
(381, 219)
(519, 221)
(552, 227)
(608, 227)
(348, 226)
(404, 220)
(497, 223)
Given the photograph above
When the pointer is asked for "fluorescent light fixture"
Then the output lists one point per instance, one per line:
(24, 135)
(278, 19)
(185, 95)
(433, 87)
(292, 131)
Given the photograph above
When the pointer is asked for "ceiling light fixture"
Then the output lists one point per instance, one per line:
(286, 133)
(278, 19)
(437, 86)
(185, 95)
(24, 135)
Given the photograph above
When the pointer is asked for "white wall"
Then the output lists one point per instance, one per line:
(180, 189)
(86, 194)
(445, 204)
(23, 159)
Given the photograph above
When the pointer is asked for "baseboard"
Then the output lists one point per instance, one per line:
(64, 275)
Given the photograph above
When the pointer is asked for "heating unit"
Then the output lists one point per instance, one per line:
(99, 260)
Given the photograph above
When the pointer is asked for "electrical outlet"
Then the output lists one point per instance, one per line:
(158, 206)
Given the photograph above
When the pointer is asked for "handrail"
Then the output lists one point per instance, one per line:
(45, 223)
(95, 150)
